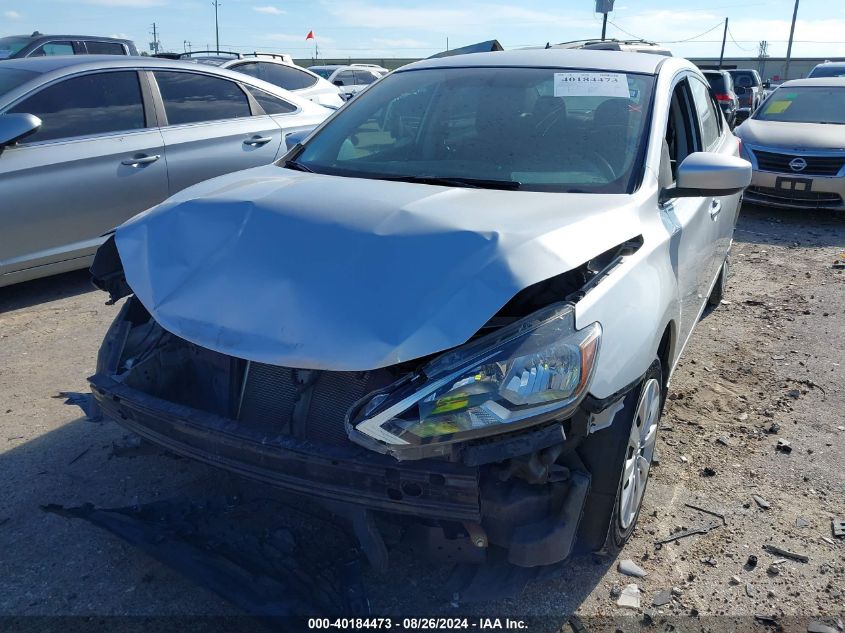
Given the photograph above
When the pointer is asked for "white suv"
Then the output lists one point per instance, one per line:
(276, 69)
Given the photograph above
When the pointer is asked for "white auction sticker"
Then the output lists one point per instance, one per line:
(591, 85)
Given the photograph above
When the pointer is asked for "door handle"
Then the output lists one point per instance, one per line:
(715, 209)
(140, 161)
(257, 141)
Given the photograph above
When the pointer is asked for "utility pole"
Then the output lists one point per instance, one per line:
(789, 46)
(216, 25)
(762, 53)
(154, 43)
(724, 38)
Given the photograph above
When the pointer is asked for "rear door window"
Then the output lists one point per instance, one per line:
(194, 97)
(271, 104)
(346, 78)
(286, 77)
(100, 103)
(364, 77)
(53, 48)
(104, 48)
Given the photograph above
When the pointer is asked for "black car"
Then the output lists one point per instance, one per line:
(749, 89)
(39, 45)
(723, 89)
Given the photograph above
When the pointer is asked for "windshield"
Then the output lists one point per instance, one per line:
(807, 104)
(11, 45)
(828, 71)
(11, 78)
(325, 73)
(744, 78)
(537, 129)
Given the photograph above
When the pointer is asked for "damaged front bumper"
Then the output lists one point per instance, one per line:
(333, 473)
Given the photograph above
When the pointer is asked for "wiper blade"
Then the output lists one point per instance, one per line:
(292, 164)
(456, 181)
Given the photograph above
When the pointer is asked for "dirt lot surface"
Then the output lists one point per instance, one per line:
(767, 365)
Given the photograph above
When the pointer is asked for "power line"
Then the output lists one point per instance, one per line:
(695, 37)
(737, 43)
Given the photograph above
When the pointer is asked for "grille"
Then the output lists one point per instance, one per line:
(816, 165)
(309, 405)
(810, 199)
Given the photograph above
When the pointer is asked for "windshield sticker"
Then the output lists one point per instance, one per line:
(591, 85)
(778, 107)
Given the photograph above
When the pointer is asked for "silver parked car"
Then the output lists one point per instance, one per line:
(88, 142)
(349, 79)
(796, 143)
(459, 301)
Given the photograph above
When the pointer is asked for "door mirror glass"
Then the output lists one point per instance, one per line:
(706, 174)
(337, 82)
(14, 127)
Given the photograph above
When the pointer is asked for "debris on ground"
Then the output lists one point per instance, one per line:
(774, 549)
(706, 511)
(750, 591)
(801, 522)
(820, 627)
(630, 568)
(751, 563)
(783, 446)
(838, 527)
(760, 501)
(630, 597)
(735, 580)
(704, 529)
(662, 598)
(80, 456)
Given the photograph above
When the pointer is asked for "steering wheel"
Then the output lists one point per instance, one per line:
(601, 162)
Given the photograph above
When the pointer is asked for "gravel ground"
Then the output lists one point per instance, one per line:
(767, 365)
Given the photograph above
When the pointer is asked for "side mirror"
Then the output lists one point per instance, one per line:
(338, 82)
(707, 174)
(14, 127)
(767, 84)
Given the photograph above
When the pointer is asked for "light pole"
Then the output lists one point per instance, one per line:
(789, 46)
(216, 26)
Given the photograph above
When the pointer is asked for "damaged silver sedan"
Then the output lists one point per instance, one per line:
(455, 306)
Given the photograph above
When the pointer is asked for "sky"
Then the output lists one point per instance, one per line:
(405, 28)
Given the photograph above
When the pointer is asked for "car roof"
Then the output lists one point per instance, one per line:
(53, 67)
(815, 81)
(68, 37)
(831, 64)
(50, 63)
(615, 61)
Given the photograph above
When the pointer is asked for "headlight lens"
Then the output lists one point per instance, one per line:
(533, 370)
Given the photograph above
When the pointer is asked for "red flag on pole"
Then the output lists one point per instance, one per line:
(310, 35)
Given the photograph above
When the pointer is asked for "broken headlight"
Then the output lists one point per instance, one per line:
(533, 370)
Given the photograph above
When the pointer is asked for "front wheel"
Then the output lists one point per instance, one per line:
(619, 459)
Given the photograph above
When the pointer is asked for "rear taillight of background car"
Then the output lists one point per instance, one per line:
(723, 96)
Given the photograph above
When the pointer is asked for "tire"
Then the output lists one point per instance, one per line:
(619, 471)
(718, 292)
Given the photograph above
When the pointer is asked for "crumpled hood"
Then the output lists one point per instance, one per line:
(323, 272)
(792, 136)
